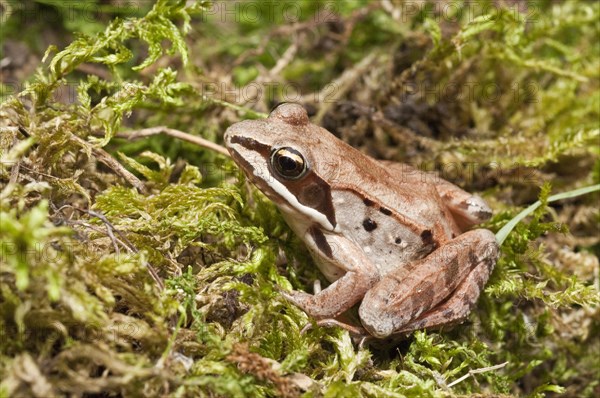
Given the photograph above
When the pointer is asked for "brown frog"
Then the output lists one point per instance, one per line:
(383, 233)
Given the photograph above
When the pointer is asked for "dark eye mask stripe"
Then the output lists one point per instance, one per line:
(314, 192)
(310, 191)
(252, 145)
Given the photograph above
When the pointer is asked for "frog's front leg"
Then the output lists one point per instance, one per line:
(359, 276)
(436, 290)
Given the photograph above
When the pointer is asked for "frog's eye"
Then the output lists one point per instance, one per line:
(288, 163)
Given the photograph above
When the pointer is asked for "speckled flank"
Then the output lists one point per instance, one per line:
(391, 242)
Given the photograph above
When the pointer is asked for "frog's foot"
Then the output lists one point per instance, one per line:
(442, 289)
(328, 323)
(457, 307)
(298, 298)
(359, 335)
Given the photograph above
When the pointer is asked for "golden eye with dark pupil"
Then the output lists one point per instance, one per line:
(288, 163)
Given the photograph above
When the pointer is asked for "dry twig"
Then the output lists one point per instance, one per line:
(147, 132)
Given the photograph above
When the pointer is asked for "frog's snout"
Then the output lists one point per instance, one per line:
(229, 134)
(242, 132)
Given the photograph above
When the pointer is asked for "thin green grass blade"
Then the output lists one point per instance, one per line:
(506, 229)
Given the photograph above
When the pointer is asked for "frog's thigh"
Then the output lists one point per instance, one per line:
(459, 304)
(458, 268)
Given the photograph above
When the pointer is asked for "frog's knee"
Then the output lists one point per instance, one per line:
(377, 326)
(377, 318)
(485, 235)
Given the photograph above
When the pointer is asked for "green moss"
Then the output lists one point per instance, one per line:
(152, 268)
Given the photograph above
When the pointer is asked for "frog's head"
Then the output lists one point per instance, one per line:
(280, 155)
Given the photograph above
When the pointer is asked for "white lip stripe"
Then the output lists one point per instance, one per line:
(283, 191)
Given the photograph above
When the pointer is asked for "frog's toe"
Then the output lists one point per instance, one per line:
(295, 296)
(300, 299)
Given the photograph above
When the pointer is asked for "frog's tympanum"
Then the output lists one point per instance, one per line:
(384, 234)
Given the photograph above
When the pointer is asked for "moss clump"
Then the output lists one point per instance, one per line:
(148, 266)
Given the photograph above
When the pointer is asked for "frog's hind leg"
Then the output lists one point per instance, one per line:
(436, 290)
(333, 322)
(457, 307)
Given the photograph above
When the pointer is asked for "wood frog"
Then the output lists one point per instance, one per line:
(383, 233)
